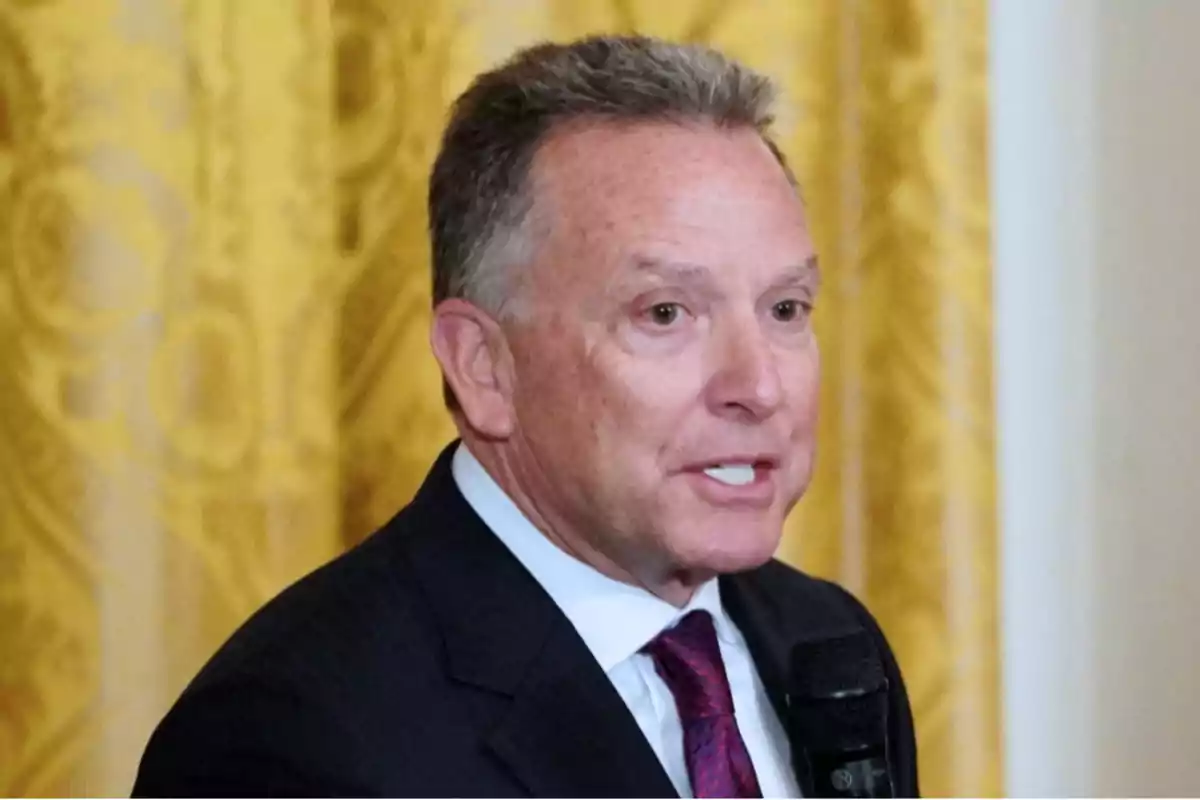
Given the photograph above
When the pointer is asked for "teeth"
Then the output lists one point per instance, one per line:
(733, 474)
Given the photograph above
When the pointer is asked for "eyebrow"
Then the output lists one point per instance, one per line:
(681, 271)
(807, 272)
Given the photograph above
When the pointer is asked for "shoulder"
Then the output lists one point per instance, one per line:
(294, 686)
(795, 585)
(797, 599)
(347, 611)
(811, 606)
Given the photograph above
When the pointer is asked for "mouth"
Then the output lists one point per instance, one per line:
(733, 472)
(747, 481)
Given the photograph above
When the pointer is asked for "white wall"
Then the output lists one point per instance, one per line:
(1096, 191)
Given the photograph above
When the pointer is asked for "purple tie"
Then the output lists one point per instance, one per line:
(688, 659)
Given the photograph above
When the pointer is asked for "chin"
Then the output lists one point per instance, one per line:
(741, 560)
(718, 555)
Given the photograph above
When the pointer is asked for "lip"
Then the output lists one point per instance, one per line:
(758, 494)
(759, 460)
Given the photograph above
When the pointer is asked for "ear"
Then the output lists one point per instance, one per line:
(475, 360)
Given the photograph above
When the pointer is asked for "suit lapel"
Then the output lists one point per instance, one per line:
(565, 731)
(570, 734)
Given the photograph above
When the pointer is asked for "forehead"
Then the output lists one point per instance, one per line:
(693, 193)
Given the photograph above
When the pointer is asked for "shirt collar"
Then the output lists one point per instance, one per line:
(614, 619)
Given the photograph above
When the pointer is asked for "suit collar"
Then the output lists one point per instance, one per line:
(565, 731)
(614, 619)
(491, 614)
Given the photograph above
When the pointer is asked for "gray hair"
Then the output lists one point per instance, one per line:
(479, 200)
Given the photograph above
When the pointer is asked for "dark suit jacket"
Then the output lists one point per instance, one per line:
(427, 661)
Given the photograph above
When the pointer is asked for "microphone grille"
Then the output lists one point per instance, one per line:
(838, 667)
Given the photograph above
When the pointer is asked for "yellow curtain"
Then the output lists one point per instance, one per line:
(213, 305)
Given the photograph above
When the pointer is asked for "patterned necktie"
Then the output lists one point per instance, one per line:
(688, 659)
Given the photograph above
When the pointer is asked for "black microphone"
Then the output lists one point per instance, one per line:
(837, 718)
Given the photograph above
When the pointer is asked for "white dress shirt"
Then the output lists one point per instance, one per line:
(616, 620)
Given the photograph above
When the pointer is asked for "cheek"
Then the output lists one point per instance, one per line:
(550, 385)
(804, 377)
(650, 396)
(572, 397)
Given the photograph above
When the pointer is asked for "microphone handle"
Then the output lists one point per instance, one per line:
(859, 773)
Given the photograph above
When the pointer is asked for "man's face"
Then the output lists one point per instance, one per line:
(665, 367)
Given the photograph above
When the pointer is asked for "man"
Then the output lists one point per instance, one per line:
(581, 598)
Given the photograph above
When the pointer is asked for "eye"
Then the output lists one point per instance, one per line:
(790, 310)
(664, 314)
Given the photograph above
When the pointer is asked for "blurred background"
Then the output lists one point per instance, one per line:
(214, 373)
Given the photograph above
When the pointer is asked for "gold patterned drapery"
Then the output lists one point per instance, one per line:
(213, 305)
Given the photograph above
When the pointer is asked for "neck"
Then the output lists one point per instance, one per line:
(625, 564)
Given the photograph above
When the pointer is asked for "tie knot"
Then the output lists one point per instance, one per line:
(688, 659)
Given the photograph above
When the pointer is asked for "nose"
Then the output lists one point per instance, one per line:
(745, 384)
